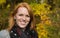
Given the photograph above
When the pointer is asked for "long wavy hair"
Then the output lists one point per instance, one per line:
(31, 24)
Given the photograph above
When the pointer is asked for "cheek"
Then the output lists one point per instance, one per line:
(17, 17)
(28, 19)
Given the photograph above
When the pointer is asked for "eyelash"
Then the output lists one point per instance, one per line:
(22, 15)
(27, 15)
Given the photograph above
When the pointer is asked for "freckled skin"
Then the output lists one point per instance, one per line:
(22, 17)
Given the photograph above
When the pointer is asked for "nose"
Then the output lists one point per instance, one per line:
(24, 18)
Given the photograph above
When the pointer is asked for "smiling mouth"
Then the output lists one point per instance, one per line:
(23, 24)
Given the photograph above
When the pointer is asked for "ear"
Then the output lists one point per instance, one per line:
(14, 17)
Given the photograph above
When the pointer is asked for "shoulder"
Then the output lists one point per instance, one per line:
(4, 33)
(34, 33)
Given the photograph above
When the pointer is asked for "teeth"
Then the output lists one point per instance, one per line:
(23, 22)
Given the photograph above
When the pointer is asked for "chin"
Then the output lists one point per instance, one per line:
(22, 27)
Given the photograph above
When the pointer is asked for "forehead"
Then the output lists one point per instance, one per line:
(22, 10)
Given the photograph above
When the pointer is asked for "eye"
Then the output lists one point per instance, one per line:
(27, 16)
(20, 14)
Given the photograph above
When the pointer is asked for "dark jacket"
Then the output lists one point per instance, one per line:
(17, 32)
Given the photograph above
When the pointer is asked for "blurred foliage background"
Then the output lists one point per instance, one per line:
(46, 12)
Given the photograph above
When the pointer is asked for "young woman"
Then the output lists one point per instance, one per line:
(21, 23)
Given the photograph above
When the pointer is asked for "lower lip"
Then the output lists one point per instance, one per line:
(22, 24)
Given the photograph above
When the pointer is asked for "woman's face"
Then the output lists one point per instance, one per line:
(22, 17)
